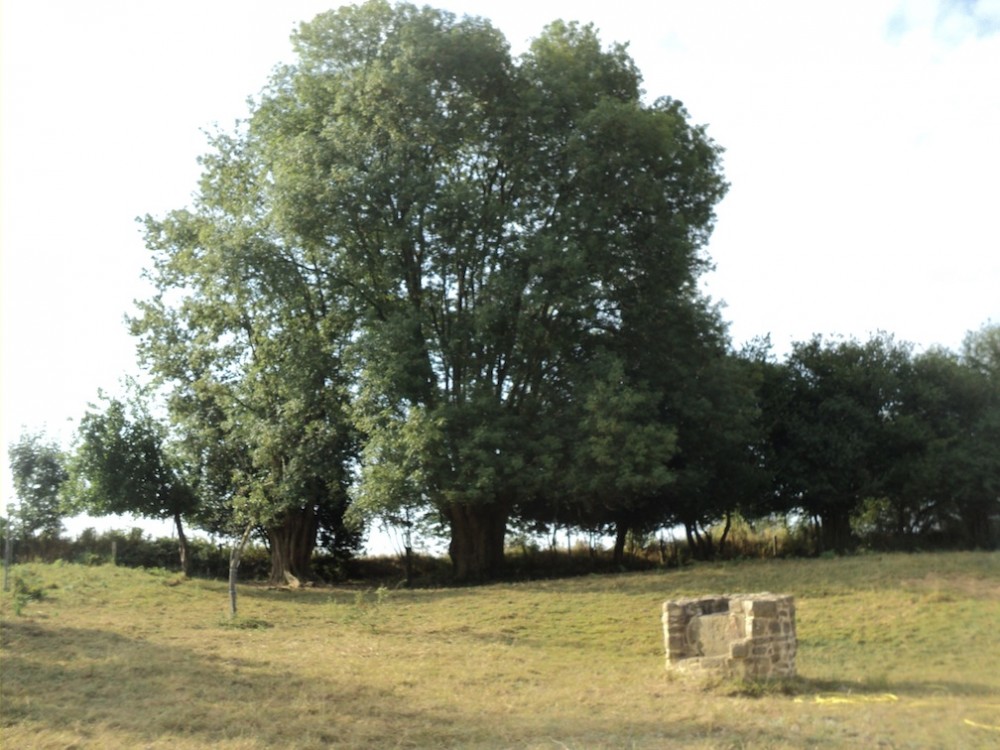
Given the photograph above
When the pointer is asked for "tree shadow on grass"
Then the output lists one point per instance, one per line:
(99, 687)
(88, 680)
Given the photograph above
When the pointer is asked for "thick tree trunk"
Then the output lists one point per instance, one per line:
(835, 531)
(689, 533)
(182, 545)
(725, 532)
(977, 514)
(621, 534)
(477, 537)
(292, 540)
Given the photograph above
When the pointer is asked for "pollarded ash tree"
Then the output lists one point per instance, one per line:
(479, 229)
(250, 348)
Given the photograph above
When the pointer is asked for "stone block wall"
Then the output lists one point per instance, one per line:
(749, 636)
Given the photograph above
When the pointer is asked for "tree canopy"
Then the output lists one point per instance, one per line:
(122, 465)
(425, 277)
(38, 473)
(419, 245)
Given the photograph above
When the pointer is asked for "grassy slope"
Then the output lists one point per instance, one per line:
(894, 651)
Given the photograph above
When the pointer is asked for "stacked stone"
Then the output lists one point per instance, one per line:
(749, 636)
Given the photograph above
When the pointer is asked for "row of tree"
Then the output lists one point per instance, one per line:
(426, 280)
(860, 441)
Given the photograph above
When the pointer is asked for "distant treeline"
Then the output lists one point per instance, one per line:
(842, 445)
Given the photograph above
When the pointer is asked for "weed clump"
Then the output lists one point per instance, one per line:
(25, 592)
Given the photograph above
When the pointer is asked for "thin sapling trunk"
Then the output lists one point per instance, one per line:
(234, 564)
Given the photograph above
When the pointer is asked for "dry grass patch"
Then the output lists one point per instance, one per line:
(895, 651)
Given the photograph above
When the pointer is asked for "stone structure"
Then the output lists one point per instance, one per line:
(749, 636)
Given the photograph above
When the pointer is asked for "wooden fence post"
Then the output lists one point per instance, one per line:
(7, 555)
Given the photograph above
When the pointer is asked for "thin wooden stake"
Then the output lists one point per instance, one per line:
(234, 564)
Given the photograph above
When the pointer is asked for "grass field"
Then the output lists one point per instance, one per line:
(895, 651)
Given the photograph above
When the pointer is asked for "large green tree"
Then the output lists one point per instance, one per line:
(480, 230)
(676, 440)
(932, 465)
(978, 463)
(720, 465)
(832, 409)
(619, 466)
(247, 336)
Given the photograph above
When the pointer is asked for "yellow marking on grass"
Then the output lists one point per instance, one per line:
(834, 699)
(977, 725)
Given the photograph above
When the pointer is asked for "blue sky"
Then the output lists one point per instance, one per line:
(861, 144)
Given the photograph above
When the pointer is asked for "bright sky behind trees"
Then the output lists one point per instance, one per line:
(861, 145)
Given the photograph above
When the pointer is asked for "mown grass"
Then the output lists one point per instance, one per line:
(895, 651)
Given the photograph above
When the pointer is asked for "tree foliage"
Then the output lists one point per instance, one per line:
(122, 465)
(38, 473)
(833, 407)
(902, 445)
(445, 237)
(433, 280)
(721, 466)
